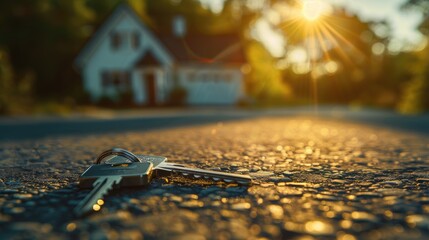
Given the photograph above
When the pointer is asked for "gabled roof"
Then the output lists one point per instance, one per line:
(103, 30)
(193, 48)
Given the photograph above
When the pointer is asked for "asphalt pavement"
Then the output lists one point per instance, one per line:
(337, 174)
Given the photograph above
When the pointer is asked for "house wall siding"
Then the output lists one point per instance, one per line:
(106, 58)
(138, 87)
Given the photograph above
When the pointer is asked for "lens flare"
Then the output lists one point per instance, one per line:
(96, 207)
(312, 10)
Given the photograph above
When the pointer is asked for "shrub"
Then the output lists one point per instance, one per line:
(15, 94)
(178, 96)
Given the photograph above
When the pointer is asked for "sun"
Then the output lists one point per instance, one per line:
(312, 9)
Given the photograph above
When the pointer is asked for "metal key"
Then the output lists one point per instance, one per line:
(166, 169)
(163, 168)
(104, 177)
(123, 169)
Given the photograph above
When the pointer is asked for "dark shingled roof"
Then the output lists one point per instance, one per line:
(200, 48)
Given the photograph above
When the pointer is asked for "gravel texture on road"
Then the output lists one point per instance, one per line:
(314, 178)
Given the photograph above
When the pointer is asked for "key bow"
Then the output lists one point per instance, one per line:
(118, 152)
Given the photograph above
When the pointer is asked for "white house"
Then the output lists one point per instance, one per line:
(126, 55)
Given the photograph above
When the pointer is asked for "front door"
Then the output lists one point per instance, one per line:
(150, 87)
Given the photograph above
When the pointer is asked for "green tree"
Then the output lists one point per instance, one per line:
(344, 41)
(265, 81)
(6, 83)
(415, 84)
(15, 96)
(41, 38)
(414, 98)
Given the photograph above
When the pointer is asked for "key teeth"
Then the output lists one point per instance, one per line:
(216, 179)
(244, 182)
(225, 180)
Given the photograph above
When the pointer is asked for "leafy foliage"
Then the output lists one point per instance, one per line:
(177, 96)
(39, 40)
(41, 37)
(415, 98)
(265, 81)
(15, 96)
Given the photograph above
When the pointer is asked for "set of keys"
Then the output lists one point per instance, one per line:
(122, 168)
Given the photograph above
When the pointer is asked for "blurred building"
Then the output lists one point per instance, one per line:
(125, 56)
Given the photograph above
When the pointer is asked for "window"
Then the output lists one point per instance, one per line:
(227, 77)
(192, 76)
(115, 40)
(118, 80)
(135, 40)
(217, 77)
(205, 77)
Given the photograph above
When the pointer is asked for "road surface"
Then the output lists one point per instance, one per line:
(338, 175)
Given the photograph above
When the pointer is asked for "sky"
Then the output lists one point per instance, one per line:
(403, 23)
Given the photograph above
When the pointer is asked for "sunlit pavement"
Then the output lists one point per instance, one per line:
(339, 175)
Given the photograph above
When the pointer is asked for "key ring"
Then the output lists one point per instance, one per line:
(118, 152)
